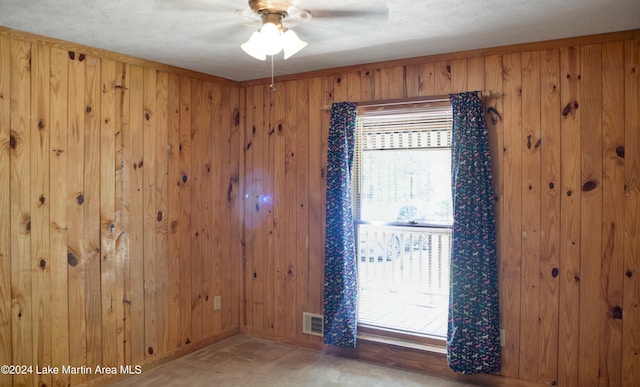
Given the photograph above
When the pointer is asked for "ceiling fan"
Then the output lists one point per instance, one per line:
(314, 20)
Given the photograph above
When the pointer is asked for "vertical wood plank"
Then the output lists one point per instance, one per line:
(206, 236)
(366, 87)
(340, 87)
(549, 215)
(458, 75)
(302, 204)
(224, 282)
(279, 227)
(512, 175)
(397, 88)
(258, 225)
(149, 187)
(266, 205)
(232, 318)
(493, 80)
(20, 188)
(217, 224)
(592, 308)
(174, 180)
(613, 213)
(160, 211)
(39, 198)
(569, 216)
(530, 191)
(631, 290)
(184, 197)
(247, 210)
(354, 86)
(91, 228)
(442, 77)
(426, 79)
(122, 119)
(411, 80)
(60, 331)
(316, 208)
(134, 219)
(475, 75)
(197, 245)
(6, 315)
(110, 291)
(77, 250)
(292, 158)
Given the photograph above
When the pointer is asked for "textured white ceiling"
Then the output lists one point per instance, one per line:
(205, 35)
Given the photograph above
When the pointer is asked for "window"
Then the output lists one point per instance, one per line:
(403, 213)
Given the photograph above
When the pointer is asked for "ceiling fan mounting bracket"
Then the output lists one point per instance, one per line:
(277, 10)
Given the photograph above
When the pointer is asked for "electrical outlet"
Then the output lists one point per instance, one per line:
(217, 302)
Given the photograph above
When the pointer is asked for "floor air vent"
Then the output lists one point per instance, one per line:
(313, 324)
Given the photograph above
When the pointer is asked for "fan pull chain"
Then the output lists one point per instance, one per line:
(272, 86)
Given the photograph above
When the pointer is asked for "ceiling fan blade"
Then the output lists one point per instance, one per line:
(325, 13)
(221, 8)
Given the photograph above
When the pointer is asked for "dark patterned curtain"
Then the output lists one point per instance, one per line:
(340, 270)
(473, 337)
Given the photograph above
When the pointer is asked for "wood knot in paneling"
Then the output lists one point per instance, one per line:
(589, 186)
(616, 312)
(236, 117)
(159, 216)
(571, 107)
(620, 152)
(554, 272)
(629, 273)
(41, 124)
(41, 200)
(42, 263)
(81, 57)
(13, 143)
(80, 199)
(72, 55)
(72, 259)
(150, 350)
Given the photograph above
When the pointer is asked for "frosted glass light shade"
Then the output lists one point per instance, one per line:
(253, 46)
(291, 43)
(270, 40)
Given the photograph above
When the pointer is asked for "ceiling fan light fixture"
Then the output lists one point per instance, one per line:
(253, 46)
(272, 37)
(291, 43)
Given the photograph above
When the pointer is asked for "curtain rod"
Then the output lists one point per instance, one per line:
(484, 94)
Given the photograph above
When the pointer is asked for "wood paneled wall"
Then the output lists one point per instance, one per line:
(565, 135)
(116, 187)
(132, 193)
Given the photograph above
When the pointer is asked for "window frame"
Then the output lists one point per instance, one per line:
(395, 107)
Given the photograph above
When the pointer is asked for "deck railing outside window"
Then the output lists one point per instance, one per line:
(403, 276)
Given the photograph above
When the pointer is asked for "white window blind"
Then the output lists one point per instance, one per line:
(406, 128)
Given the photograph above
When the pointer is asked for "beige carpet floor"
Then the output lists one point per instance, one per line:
(247, 361)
